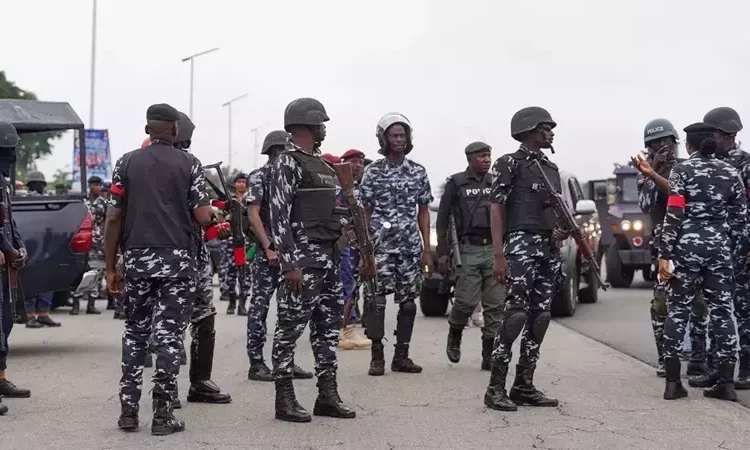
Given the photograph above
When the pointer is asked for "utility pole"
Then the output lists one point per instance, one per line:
(93, 67)
(228, 105)
(256, 151)
(191, 58)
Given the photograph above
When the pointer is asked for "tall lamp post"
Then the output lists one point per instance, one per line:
(228, 105)
(93, 67)
(191, 58)
(254, 130)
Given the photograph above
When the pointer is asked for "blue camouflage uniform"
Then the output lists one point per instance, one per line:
(98, 209)
(706, 217)
(394, 192)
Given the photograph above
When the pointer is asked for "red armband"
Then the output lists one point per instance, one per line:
(117, 190)
(212, 232)
(676, 201)
(240, 258)
(219, 204)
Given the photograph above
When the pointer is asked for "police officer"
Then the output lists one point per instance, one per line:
(98, 208)
(467, 199)
(396, 189)
(660, 139)
(158, 181)
(264, 269)
(227, 266)
(306, 225)
(526, 256)
(13, 253)
(202, 311)
(706, 217)
(35, 182)
(727, 123)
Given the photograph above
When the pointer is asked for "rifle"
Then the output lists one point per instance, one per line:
(455, 248)
(563, 212)
(359, 228)
(236, 212)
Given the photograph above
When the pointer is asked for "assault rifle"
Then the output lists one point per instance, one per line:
(563, 212)
(236, 212)
(455, 248)
(359, 228)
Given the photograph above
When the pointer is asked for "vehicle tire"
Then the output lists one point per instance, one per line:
(565, 302)
(589, 294)
(617, 275)
(432, 303)
(60, 299)
(647, 275)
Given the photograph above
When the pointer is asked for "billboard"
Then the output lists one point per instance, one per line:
(98, 157)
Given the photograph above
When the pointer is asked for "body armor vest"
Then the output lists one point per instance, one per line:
(529, 207)
(265, 204)
(315, 200)
(472, 213)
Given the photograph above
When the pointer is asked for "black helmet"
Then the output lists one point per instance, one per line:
(304, 111)
(528, 119)
(274, 138)
(185, 128)
(8, 135)
(724, 119)
(95, 179)
(657, 129)
(477, 147)
(35, 175)
(388, 121)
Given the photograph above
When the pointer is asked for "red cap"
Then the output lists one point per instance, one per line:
(330, 158)
(146, 142)
(352, 153)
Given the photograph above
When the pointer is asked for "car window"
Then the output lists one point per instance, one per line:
(575, 191)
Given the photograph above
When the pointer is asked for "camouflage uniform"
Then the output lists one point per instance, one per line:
(98, 209)
(394, 192)
(159, 287)
(705, 216)
(229, 281)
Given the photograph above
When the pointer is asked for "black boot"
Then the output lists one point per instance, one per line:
(202, 389)
(706, 380)
(453, 347)
(488, 344)
(377, 363)
(91, 306)
(287, 407)
(76, 307)
(401, 361)
(673, 388)
(724, 387)
(328, 402)
(259, 371)
(232, 303)
(742, 382)
(496, 397)
(164, 421)
(128, 420)
(697, 364)
(241, 310)
(300, 374)
(3, 408)
(111, 303)
(524, 392)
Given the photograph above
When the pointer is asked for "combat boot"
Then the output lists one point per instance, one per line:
(3, 408)
(76, 306)
(287, 407)
(232, 303)
(496, 397)
(91, 306)
(351, 340)
(705, 380)
(202, 389)
(401, 361)
(111, 306)
(128, 420)
(488, 344)
(241, 310)
(300, 374)
(453, 347)
(164, 422)
(673, 389)
(742, 382)
(377, 363)
(697, 364)
(329, 402)
(524, 392)
(724, 387)
(259, 371)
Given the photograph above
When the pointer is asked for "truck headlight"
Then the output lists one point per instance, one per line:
(625, 225)
(637, 225)
(433, 237)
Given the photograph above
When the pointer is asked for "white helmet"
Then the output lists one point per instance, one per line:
(385, 122)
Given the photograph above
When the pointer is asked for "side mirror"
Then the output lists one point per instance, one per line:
(585, 207)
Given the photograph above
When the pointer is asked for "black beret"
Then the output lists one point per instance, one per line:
(699, 127)
(162, 112)
(95, 179)
(240, 176)
(477, 147)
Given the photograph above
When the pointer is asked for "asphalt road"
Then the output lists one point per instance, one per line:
(621, 320)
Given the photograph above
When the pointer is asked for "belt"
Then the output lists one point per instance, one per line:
(478, 240)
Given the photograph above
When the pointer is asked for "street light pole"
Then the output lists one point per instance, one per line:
(192, 67)
(93, 67)
(255, 143)
(228, 105)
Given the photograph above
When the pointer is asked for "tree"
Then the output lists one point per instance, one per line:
(62, 177)
(33, 145)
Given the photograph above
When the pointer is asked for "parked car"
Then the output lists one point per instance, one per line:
(579, 286)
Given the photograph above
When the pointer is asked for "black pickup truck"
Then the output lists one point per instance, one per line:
(57, 230)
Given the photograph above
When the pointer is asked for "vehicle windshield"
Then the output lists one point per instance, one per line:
(628, 189)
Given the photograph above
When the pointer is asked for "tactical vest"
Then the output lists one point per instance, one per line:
(529, 207)
(315, 200)
(157, 181)
(472, 213)
(265, 204)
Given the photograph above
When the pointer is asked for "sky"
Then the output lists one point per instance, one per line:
(457, 70)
